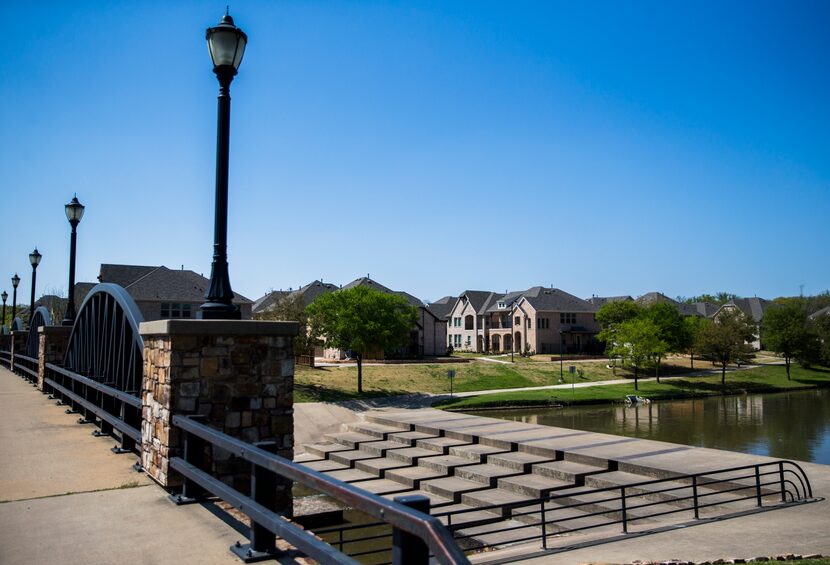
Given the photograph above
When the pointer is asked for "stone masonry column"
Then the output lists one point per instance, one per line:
(18, 344)
(52, 344)
(238, 375)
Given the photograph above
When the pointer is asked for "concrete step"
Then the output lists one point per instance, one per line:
(517, 460)
(409, 438)
(451, 487)
(440, 444)
(445, 464)
(323, 450)
(409, 455)
(494, 497)
(379, 466)
(378, 448)
(325, 465)
(349, 457)
(672, 492)
(306, 458)
(464, 516)
(476, 452)
(383, 486)
(412, 476)
(565, 470)
(535, 486)
(485, 474)
(379, 431)
(436, 501)
(588, 459)
(351, 475)
(349, 439)
(505, 532)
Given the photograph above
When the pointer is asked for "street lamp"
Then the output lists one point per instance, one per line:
(15, 282)
(226, 44)
(74, 212)
(34, 259)
(4, 296)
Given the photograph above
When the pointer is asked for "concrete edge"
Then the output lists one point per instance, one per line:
(219, 327)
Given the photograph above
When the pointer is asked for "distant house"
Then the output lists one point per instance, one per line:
(754, 309)
(307, 293)
(162, 293)
(539, 320)
(599, 301)
(700, 309)
(819, 313)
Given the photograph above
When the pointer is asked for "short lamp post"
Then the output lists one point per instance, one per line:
(74, 212)
(4, 296)
(34, 259)
(226, 44)
(15, 282)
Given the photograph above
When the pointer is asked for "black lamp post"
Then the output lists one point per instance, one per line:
(15, 282)
(34, 259)
(4, 296)
(74, 212)
(226, 44)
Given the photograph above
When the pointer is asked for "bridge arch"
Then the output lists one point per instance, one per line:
(105, 344)
(41, 317)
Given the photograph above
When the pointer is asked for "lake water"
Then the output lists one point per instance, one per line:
(786, 425)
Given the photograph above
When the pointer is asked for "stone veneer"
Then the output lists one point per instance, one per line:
(239, 375)
(52, 344)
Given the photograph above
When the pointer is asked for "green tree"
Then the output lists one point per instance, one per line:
(692, 324)
(821, 327)
(638, 340)
(610, 317)
(292, 308)
(671, 331)
(787, 332)
(726, 339)
(362, 319)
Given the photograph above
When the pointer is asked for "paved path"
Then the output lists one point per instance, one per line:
(66, 498)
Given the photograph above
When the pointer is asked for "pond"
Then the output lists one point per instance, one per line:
(787, 425)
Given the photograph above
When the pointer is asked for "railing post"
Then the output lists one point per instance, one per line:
(694, 496)
(127, 443)
(781, 479)
(107, 406)
(624, 512)
(758, 486)
(264, 491)
(408, 549)
(194, 453)
(544, 525)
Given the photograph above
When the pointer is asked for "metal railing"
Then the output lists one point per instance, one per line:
(26, 367)
(622, 505)
(6, 358)
(117, 412)
(415, 533)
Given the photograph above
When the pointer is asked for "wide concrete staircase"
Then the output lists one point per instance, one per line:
(485, 486)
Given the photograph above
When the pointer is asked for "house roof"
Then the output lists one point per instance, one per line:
(654, 297)
(695, 309)
(753, 307)
(818, 313)
(163, 284)
(307, 293)
(705, 309)
(268, 300)
(366, 281)
(556, 300)
(442, 307)
(478, 299)
(506, 299)
(123, 275)
(598, 301)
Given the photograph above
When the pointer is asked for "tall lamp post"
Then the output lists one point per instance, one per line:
(15, 282)
(4, 296)
(74, 212)
(226, 44)
(34, 259)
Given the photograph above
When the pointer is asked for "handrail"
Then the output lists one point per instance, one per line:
(428, 528)
(124, 397)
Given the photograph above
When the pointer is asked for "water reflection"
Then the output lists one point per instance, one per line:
(789, 425)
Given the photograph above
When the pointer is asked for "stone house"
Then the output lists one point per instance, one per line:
(162, 293)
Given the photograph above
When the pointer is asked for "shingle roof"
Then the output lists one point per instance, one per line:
(823, 312)
(556, 300)
(705, 309)
(442, 307)
(506, 299)
(174, 285)
(366, 281)
(123, 275)
(696, 309)
(753, 307)
(598, 301)
(478, 299)
(268, 300)
(654, 297)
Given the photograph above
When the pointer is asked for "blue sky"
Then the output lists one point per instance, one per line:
(604, 148)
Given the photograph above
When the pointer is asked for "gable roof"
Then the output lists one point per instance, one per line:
(705, 309)
(268, 300)
(366, 281)
(507, 299)
(122, 275)
(165, 284)
(556, 300)
(753, 307)
(598, 301)
(442, 307)
(818, 313)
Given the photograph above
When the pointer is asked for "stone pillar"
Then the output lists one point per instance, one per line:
(239, 375)
(18, 344)
(52, 344)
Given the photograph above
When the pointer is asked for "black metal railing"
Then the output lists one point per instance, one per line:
(26, 367)
(415, 534)
(624, 505)
(116, 412)
(6, 358)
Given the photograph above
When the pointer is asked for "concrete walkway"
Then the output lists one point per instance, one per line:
(66, 498)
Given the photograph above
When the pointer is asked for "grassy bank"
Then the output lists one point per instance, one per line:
(771, 378)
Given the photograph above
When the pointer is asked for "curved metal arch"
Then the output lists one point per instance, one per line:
(105, 344)
(41, 317)
(17, 325)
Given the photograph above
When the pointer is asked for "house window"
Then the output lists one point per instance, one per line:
(457, 322)
(518, 321)
(528, 323)
(175, 310)
(458, 340)
(502, 305)
(567, 318)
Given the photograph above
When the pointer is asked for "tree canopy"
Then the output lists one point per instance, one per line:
(638, 340)
(787, 331)
(363, 320)
(726, 339)
(292, 307)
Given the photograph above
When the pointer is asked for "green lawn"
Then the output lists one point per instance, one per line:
(761, 379)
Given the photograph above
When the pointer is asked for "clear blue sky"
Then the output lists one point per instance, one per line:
(604, 148)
